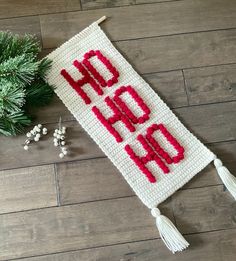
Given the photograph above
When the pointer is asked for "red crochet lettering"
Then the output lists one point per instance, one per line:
(117, 116)
(95, 73)
(170, 139)
(126, 109)
(142, 161)
(77, 85)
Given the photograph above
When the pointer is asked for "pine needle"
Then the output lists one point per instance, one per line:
(12, 45)
(12, 97)
(44, 66)
(14, 123)
(22, 81)
(19, 70)
(38, 93)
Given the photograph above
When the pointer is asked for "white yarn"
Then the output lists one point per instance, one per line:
(227, 178)
(196, 155)
(172, 238)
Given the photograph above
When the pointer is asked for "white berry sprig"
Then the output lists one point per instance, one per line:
(34, 135)
(59, 139)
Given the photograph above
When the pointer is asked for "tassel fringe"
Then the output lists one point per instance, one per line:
(169, 234)
(227, 178)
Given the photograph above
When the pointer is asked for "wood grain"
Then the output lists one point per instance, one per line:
(99, 216)
(204, 209)
(75, 227)
(52, 112)
(169, 86)
(97, 179)
(208, 129)
(95, 4)
(212, 122)
(81, 226)
(44, 151)
(27, 188)
(22, 25)
(130, 22)
(12, 8)
(217, 246)
(211, 84)
(180, 51)
(90, 180)
(208, 177)
(153, 1)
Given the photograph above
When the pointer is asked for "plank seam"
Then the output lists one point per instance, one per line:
(115, 244)
(57, 185)
(99, 157)
(97, 200)
(185, 87)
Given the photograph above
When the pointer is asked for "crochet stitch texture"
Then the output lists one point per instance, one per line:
(148, 120)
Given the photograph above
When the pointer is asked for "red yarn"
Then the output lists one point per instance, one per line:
(121, 112)
(95, 73)
(77, 85)
(126, 109)
(170, 139)
(117, 116)
(150, 156)
(154, 151)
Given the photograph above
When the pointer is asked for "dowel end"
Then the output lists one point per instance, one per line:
(100, 20)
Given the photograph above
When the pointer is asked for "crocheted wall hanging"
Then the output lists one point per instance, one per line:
(138, 132)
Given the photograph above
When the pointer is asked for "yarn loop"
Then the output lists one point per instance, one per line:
(155, 212)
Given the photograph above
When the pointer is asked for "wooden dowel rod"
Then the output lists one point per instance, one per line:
(103, 18)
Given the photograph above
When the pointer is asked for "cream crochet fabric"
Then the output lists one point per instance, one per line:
(196, 155)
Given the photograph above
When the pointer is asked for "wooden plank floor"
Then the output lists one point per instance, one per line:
(80, 208)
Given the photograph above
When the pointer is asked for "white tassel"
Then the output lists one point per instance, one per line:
(227, 178)
(169, 233)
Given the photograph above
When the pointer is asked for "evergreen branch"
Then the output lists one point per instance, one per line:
(13, 123)
(44, 66)
(38, 93)
(22, 81)
(19, 70)
(12, 45)
(11, 97)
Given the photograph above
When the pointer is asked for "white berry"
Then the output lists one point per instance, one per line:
(37, 136)
(61, 155)
(64, 152)
(28, 134)
(40, 125)
(26, 147)
(62, 137)
(63, 143)
(37, 129)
